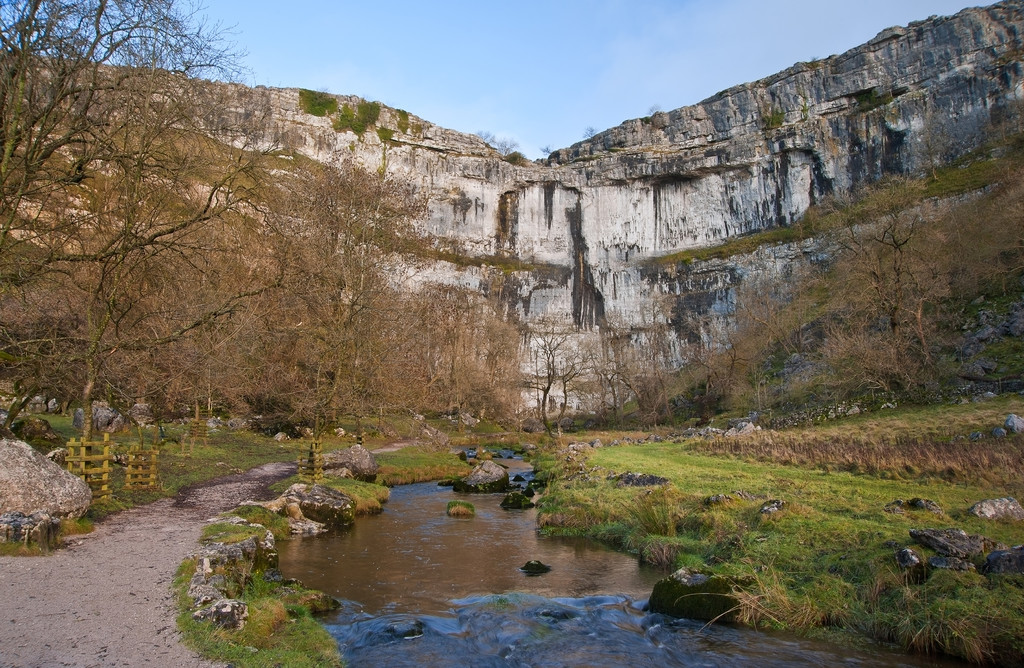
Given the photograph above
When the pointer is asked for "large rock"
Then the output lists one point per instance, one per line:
(1002, 562)
(1014, 424)
(695, 596)
(226, 613)
(486, 478)
(320, 504)
(31, 483)
(104, 418)
(37, 430)
(356, 459)
(998, 509)
(955, 542)
(37, 528)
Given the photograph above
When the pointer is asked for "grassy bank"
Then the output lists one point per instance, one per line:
(825, 564)
(281, 629)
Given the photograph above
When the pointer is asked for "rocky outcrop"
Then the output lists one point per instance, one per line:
(30, 483)
(486, 478)
(357, 459)
(104, 418)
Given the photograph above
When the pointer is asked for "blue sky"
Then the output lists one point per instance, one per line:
(541, 72)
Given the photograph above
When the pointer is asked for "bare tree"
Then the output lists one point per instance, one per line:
(556, 364)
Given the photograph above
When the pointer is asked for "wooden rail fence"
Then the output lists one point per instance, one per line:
(90, 461)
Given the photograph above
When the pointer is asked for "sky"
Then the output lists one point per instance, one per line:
(540, 72)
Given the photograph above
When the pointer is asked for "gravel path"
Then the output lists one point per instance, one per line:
(106, 599)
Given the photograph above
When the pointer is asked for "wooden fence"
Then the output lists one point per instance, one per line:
(90, 461)
(311, 467)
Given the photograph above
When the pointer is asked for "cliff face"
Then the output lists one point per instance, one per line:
(752, 157)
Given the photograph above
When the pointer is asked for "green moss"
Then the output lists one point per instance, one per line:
(317, 103)
(385, 134)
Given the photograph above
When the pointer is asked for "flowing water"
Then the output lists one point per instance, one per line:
(419, 588)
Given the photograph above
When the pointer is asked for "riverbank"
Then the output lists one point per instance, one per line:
(823, 562)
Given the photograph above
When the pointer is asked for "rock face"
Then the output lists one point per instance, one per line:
(752, 157)
(31, 483)
(486, 478)
(695, 596)
(356, 459)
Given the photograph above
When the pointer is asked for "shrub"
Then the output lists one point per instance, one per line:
(516, 158)
(317, 103)
(357, 120)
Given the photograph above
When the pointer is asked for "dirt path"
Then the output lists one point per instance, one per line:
(106, 599)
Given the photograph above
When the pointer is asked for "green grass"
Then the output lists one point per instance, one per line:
(317, 103)
(820, 564)
(414, 464)
(460, 509)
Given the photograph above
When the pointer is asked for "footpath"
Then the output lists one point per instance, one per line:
(105, 599)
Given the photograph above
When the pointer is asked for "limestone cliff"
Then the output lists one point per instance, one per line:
(752, 157)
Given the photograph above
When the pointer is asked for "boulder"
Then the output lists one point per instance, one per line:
(533, 426)
(1006, 508)
(695, 596)
(280, 437)
(534, 567)
(954, 542)
(37, 528)
(1004, 562)
(238, 423)
(435, 436)
(516, 501)
(141, 413)
(105, 418)
(31, 483)
(897, 506)
(951, 563)
(357, 459)
(37, 430)
(640, 480)
(1014, 424)
(772, 506)
(321, 504)
(227, 613)
(742, 429)
(486, 478)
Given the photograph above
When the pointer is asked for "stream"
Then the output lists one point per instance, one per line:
(419, 588)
